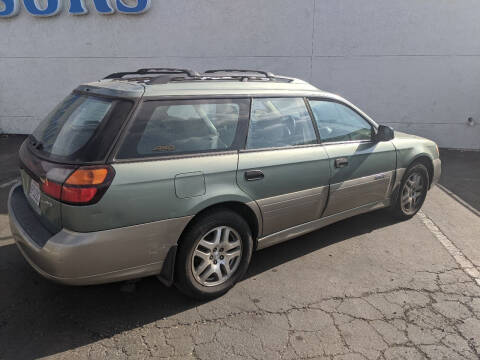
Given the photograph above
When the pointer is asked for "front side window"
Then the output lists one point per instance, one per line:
(337, 122)
(280, 122)
(183, 127)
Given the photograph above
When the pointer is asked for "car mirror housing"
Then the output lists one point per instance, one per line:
(384, 133)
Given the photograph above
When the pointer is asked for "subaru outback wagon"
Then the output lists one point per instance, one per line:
(183, 175)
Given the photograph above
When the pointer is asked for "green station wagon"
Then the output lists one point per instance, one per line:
(182, 175)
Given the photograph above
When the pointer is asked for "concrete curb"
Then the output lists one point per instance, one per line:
(460, 200)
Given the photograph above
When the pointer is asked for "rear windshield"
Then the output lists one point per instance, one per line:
(185, 127)
(81, 128)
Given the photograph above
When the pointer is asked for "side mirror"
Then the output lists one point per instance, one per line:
(384, 133)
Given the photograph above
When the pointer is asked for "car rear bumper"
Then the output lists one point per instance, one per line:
(91, 258)
(437, 171)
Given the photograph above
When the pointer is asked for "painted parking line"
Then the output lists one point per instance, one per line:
(7, 184)
(465, 264)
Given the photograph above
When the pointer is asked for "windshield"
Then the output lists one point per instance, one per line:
(76, 130)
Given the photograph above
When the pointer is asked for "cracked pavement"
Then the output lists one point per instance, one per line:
(365, 288)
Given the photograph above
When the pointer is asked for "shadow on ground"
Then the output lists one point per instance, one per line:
(39, 318)
(461, 174)
(9, 146)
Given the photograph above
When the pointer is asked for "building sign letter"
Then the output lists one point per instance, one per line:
(10, 8)
(142, 6)
(53, 7)
(77, 7)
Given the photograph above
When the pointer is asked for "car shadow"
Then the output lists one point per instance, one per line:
(461, 175)
(4, 200)
(39, 318)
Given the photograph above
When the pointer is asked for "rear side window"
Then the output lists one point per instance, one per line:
(280, 122)
(80, 129)
(337, 122)
(185, 127)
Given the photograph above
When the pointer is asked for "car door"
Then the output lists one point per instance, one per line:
(283, 168)
(361, 168)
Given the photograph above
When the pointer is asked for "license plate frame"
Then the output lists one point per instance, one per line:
(34, 193)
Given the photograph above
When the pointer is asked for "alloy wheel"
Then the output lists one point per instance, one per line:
(217, 256)
(413, 193)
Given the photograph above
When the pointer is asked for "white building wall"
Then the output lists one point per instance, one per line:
(414, 65)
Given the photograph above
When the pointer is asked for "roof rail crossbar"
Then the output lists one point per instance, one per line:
(188, 72)
(154, 71)
(120, 75)
(265, 73)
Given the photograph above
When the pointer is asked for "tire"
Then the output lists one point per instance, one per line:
(212, 243)
(412, 192)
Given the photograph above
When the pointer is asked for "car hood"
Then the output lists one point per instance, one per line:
(402, 135)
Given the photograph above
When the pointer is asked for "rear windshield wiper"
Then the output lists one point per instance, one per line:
(35, 143)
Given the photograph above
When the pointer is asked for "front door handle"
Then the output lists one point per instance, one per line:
(341, 162)
(253, 175)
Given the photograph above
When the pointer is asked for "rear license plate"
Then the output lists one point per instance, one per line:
(34, 192)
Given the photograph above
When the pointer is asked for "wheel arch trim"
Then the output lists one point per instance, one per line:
(428, 160)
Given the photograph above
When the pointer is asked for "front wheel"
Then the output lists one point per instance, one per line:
(213, 255)
(412, 192)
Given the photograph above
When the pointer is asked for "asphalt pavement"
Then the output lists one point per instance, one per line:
(366, 288)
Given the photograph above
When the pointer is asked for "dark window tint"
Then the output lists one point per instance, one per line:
(81, 128)
(280, 122)
(337, 122)
(184, 126)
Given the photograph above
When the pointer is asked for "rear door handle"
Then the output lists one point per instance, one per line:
(341, 162)
(253, 175)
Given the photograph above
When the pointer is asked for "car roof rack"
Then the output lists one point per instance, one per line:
(153, 76)
(154, 71)
(243, 75)
(236, 71)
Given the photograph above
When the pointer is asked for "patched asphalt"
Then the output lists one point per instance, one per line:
(365, 288)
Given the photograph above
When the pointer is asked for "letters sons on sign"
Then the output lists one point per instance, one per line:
(9, 8)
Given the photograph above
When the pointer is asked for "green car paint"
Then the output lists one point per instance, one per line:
(144, 192)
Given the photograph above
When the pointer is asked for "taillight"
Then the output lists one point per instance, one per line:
(84, 186)
(52, 189)
(78, 195)
(82, 177)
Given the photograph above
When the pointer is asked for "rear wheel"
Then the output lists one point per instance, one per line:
(413, 191)
(213, 255)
